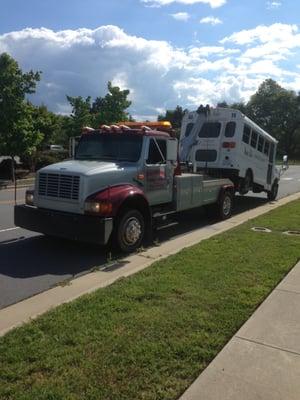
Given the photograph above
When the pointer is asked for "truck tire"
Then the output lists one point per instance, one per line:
(225, 205)
(129, 231)
(272, 194)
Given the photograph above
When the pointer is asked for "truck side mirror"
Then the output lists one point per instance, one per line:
(172, 150)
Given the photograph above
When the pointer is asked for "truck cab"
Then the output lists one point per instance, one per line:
(120, 181)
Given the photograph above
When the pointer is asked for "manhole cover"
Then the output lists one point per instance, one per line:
(261, 229)
(296, 233)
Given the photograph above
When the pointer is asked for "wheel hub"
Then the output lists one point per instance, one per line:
(132, 231)
(226, 205)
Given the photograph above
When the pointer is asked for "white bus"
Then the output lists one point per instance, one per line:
(226, 143)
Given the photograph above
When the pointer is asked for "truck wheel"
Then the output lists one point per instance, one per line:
(130, 231)
(226, 205)
(272, 194)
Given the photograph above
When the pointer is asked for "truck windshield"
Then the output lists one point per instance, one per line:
(106, 146)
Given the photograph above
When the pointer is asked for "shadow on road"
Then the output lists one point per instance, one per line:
(39, 255)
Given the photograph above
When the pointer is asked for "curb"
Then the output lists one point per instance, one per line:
(22, 312)
(20, 184)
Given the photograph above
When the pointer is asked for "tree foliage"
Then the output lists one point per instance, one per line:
(277, 111)
(174, 116)
(17, 131)
(103, 110)
(112, 107)
(81, 114)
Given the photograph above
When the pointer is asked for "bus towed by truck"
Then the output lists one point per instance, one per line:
(124, 181)
(225, 143)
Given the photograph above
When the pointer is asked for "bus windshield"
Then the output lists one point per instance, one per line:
(109, 146)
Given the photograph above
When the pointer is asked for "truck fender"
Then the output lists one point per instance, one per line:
(224, 189)
(124, 196)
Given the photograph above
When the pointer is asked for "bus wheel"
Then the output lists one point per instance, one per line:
(226, 205)
(246, 183)
(272, 194)
(130, 231)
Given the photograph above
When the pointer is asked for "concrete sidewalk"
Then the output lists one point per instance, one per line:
(262, 361)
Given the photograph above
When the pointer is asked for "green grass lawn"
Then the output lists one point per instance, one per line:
(149, 336)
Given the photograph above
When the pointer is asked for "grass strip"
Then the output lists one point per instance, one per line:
(149, 336)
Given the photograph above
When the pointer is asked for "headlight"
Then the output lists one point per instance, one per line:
(97, 207)
(29, 197)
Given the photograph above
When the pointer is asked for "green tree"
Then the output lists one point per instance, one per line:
(223, 104)
(241, 106)
(48, 123)
(17, 133)
(112, 107)
(81, 115)
(277, 110)
(173, 116)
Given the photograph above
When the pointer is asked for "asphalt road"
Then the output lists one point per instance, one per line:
(31, 263)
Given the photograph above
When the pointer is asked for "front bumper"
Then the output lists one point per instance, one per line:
(84, 228)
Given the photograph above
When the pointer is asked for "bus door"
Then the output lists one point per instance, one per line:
(207, 152)
(271, 164)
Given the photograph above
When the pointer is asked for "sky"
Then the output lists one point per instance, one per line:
(166, 52)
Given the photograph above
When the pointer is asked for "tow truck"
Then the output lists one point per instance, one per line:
(124, 181)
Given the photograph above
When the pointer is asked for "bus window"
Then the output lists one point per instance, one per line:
(246, 134)
(210, 130)
(189, 128)
(260, 144)
(267, 147)
(230, 129)
(254, 137)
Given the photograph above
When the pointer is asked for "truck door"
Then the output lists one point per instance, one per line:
(158, 173)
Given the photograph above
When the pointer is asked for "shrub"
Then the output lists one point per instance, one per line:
(49, 157)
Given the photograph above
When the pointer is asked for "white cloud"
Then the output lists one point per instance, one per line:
(181, 16)
(160, 3)
(263, 34)
(273, 5)
(210, 20)
(81, 62)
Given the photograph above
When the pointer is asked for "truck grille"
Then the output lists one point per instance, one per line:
(60, 186)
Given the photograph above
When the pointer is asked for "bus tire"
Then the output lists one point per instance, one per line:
(129, 231)
(226, 205)
(246, 183)
(272, 194)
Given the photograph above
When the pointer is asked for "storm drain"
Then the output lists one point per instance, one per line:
(292, 233)
(261, 229)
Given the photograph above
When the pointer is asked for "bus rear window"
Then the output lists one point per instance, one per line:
(210, 130)
(230, 129)
(246, 134)
(254, 138)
